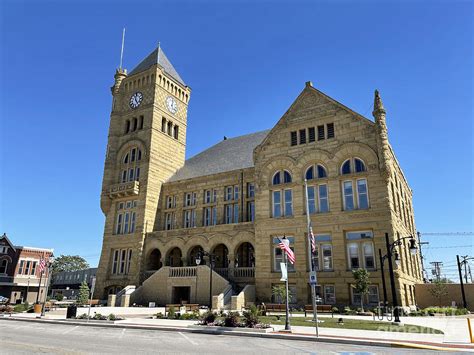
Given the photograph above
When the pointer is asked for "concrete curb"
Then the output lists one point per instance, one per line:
(300, 337)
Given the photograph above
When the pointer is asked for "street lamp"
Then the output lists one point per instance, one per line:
(392, 252)
(212, 258)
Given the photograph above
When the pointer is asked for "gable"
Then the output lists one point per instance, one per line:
(312, 108)
(4, 241)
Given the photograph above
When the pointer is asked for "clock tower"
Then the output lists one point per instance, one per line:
(146, 145)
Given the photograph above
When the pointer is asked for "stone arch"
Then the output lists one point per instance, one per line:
(358, 150)
(128, 145)
(269, 168)
(154, 260)
(174, 257)
(222, 252)
(193, 253)
(244, 255)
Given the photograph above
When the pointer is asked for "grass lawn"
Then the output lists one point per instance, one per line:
(351, 324)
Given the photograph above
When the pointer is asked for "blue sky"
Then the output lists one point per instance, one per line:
(245, 62)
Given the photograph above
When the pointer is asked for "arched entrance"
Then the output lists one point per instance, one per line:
(174, 258)
(193, 254)
(154, 260)
(245, 255)
(222, 254)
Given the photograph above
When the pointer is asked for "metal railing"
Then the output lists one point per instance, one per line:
(236, 273)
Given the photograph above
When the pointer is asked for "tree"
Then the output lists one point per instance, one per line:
(361, 286)
(279, 293)
(69, 263)
(438, 290)
(83, 296)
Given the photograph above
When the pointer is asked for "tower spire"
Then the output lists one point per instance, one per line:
(382, 135)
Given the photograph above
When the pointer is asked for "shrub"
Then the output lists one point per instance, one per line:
(208, 318)
(99, 316)
(232, 319)
(251, 317)
(171, 313)
(21, 307)
(189, 316)
(6, 309)
(335, 310)
(112, 317)
(159, 315)
(82, 316)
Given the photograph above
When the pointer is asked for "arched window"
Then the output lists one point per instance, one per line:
(170, 127)
(277, 178)
(163, 125)
(320, 172)
(127, 126)
(3, 266)
(135, 124)
(353, 165)
(130, 165)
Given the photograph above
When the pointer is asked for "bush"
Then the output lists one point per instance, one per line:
(232, 320)
(335, 310)
(347, 310)
(112, 317)
(82, 316)
(189, 316)
(159, 315)
(6, 309)
(251, 317)
(99, 316)
(21, 307)
(171, 313)
(208, 318)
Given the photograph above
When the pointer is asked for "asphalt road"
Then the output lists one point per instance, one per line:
(18, 337)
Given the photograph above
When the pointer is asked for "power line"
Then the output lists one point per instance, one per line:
(451, 247)
(447, 233)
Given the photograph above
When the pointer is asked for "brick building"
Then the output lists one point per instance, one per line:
(235, 198)
(19, 272)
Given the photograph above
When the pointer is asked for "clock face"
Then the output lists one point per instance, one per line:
(171, 105)
(136, 99)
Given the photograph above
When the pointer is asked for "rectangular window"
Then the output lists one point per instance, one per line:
(129, 204)
(228, 213)
(362, 196)
(250, 190)
(115, 262)
(132, 222)
(278, 254)
(330, 129)
(130, 174)
(373, 296)
(311, 134)
(353, 252)
(316, 259)
(28, 268)
(118, 229)
(188, 218)
(124, 176)
(194, 198)
(123, 261)
(302, 136)
(326, 250)
(329, 294)
(236, 193)
(250, 211)
(214, 196)
(294, 138)
(169, 202)
(169, 217)
(207, 196)
(320, 133)
(276, 204)
(137, 174)
(369, 260)
(348, 196)
(187, 199)
(323, 198)
(206, 216)
(129, 260)
(311, 200)
(288, 203)
(33, 268)
(126, 222)
(214, 216)
(228, 193)
(356, 297)
(236, 213)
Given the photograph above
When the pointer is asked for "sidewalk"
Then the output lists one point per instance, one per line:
(334, 335)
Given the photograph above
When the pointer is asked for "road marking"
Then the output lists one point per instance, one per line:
(70, 330)
(188, 339)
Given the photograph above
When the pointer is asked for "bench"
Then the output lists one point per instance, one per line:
(93, 302)
(191, 307)
(174, 306)
(321, 308)
(273, 307)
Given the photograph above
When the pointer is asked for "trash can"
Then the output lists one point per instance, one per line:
(37, 307)
(71, 311)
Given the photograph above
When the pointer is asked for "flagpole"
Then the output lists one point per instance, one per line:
(287, 318)
(310, 261)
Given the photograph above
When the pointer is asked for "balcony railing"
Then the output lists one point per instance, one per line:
(236, 273)
(185, 271)
(124, 189)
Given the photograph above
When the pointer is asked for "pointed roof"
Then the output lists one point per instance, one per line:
(227, 155)
(158, 57)
(4, 236)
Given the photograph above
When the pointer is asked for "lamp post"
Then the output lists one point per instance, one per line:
(382, 259)
(212, 258)
(391, 252)
(48, 280)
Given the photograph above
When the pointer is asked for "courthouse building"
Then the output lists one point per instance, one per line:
(237, 197)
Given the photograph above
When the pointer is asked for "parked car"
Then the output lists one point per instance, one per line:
(3, 300)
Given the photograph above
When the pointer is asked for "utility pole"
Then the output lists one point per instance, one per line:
(437, 269)
(420, 243)
(462, 285)
(464, 259)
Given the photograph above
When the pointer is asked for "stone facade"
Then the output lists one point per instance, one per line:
(226, 201)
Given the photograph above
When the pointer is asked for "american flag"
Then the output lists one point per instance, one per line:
(288, 251)
(312, 239)
(42, 265)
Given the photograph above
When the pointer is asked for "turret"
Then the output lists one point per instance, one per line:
(120, 74)
(382, 136)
